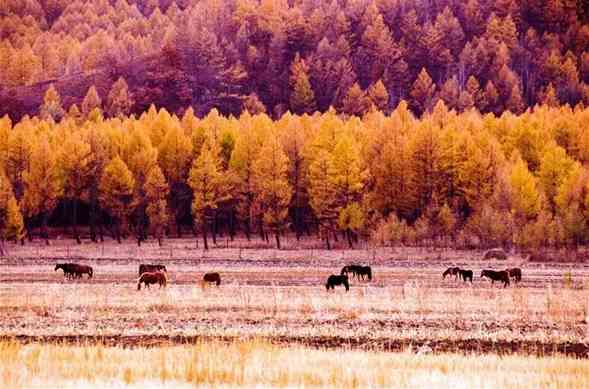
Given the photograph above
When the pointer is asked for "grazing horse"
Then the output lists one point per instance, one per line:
(364, 271)
(353, 269)
(145, 268)
(493, 275)
(157, 277)
(466, 275)
(212, 277)
(515, 273)
(73, 270)
(334, 280)
(452, 271)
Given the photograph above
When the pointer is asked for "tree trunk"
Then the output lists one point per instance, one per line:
(327, 241)
(204, 234)
(118, 231)
(247, 230)
(75, 220)
(214, 227)
(232, 224)
(277, 240)
(159, 240)
(44, 231)
(349, 236)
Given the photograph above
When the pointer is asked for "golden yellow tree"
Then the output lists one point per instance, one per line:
(116, 193)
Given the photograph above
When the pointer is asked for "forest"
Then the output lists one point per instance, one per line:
(449, 123)
(446, 179)
(300, 56)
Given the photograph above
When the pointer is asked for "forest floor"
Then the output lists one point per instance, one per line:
(279, 296)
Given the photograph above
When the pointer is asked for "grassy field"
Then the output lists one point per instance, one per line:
(274, 305)
(258, 363)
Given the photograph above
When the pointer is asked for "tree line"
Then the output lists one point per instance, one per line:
(298, 56)
(449, 179)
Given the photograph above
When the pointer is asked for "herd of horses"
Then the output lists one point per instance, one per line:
(151, 274)
(494, 275)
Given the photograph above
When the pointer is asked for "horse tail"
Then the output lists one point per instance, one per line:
(90, 272)
(218, 281)
(139, 284)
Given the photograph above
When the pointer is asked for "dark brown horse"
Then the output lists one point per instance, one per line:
(73, 270)
(334, 280)
(493, 275)
(157, 277)
(350, 269)
(363, 271)
(515, 273)
(146, 268)
(212, 278)
(466, 275)
(452, 271)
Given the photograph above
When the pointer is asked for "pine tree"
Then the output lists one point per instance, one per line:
(116, 193)
(41, 180)
(51, 107)
(422, 92)
(156, 190)
(273, 192)
(119, 101)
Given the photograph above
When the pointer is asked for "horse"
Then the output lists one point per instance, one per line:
(334, 280)
(466, 275)
(364, 271)
(212, 277)
(515, 273)
(493, 275)
(354, 269)
(148, 278)
(145, 268)
(452, 271)
(73, 270)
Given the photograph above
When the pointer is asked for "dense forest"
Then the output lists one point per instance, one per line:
(300, 56)
(446, 179)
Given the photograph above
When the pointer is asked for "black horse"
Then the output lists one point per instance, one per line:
(350, 269)
(212, 278)
(452, 271)
(146, 268)
(334, 280)
(364, 271)
(466, 275)
(73, 270)
(493, 275)
(515, 273)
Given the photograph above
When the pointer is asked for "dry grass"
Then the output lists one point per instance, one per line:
(257, 363)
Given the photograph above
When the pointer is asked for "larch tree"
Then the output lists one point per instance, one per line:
(526, 198)
(156, 190)
(209, 186)
(51, 107)
(322, 192)
(73, 166)
(272, 189)
(422, 92)
(116, 193)
(379, 96)
(41, 180)
(11, 221)
(348, 183)
(302, 97)
(356, 101)
(91, 101)
(119, 101)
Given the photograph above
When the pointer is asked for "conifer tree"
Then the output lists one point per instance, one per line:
(116, 193)
(422, 92)
(156, 190)
(91, 101)
(208, 185)
(302, 97)
(272, 190)
(119, 101)
(51, 107)
(322, 192)
(11, 221)
(379, 96)
(41, 181)
(356, 102)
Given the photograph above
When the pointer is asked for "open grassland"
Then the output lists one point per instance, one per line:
(258, 363)
(279, 296)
